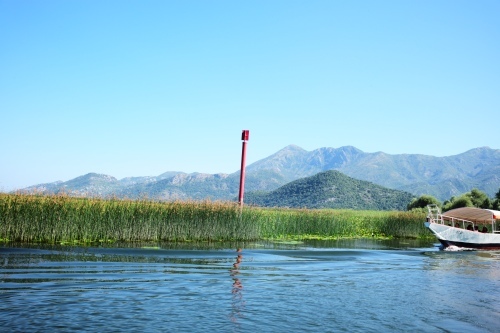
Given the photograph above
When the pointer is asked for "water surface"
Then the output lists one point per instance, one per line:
(337, 286)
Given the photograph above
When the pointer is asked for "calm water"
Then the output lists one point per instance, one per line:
(347, 286)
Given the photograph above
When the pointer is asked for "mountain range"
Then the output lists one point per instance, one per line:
(442, 177)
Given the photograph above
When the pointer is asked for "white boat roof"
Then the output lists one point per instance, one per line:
(473, 214)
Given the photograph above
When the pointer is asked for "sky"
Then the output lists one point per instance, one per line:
(137, 88)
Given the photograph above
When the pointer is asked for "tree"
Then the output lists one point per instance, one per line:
(474, 198)
(461, 201)
(448, 202)
(496, 203)
(423, 201)
(479, 198)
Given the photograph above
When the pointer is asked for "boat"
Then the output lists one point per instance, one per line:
(466, 227)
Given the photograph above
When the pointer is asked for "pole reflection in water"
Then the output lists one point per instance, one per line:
(237, 296)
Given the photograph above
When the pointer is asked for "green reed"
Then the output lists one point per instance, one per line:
(60, 218)
(338, 223)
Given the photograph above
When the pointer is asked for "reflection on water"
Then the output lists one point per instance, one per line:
(338, 286)
(237, 291)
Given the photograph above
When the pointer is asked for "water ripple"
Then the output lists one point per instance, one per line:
(265, 288)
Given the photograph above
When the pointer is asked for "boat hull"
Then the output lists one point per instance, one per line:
(491, 246)
(450, 236)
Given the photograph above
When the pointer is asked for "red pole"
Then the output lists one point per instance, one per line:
(245, 135)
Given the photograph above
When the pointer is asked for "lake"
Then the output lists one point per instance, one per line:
(313, 286)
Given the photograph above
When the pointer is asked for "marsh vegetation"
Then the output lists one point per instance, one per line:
(60, 218)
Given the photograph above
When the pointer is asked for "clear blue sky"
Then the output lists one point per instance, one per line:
(138, 88)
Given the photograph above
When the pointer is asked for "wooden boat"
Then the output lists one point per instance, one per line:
(466, 227)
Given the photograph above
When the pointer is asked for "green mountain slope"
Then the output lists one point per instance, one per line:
(331, 189)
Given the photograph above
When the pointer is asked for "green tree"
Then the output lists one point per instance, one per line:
(479, 198)
(461, 201)
(423, 201)
(496, 203)
(448, 202)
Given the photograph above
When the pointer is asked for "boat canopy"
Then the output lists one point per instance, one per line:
(473, 214)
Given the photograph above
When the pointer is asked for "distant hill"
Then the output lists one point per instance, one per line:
(331, 189)
(441, 177)
(91, 184)
(167, 186)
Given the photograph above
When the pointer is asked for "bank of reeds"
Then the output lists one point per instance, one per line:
(59, 218)
(338, 223)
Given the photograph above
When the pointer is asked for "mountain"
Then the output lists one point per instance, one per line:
(167, 186)
(294, 162)
(184, 186)
(331, 189)
(91, 184)
(441, 177)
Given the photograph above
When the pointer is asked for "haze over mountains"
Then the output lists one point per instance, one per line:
(417, 174)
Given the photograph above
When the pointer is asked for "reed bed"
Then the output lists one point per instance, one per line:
(338, 223)
(60, 218)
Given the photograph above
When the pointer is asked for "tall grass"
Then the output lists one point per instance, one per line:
(338, 223)
(59, 218)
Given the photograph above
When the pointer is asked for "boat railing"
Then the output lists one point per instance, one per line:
(434, 215)
(456, 222)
